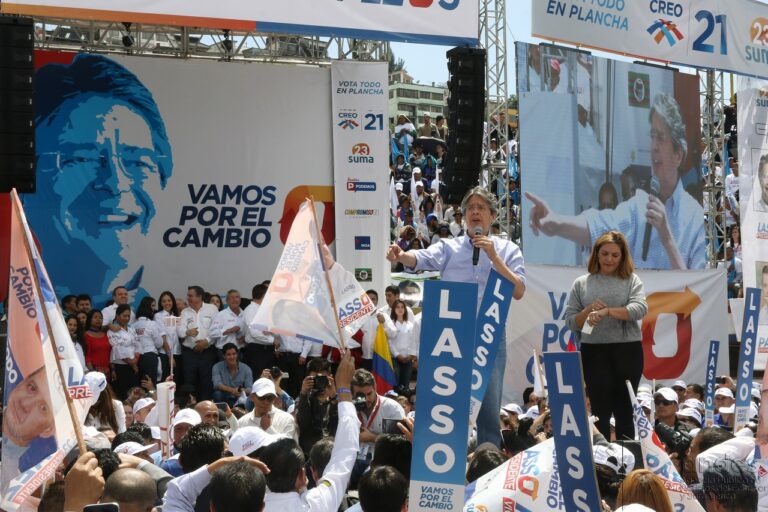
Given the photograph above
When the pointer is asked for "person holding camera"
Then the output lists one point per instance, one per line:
(373, 410)
(264, 415)
(316, 411)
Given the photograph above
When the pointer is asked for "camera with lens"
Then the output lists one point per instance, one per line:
(359, 402)
(275, 372)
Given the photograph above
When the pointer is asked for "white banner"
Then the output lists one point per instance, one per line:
(360, 156)
(215, 158)
(444, 22)
(731, 36)
(687, 309)
(753, 203)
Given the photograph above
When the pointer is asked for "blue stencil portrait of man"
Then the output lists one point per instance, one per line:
(102, 149)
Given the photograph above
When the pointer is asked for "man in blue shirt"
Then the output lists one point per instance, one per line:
(453, 258)
(677, 239)
(230, 378)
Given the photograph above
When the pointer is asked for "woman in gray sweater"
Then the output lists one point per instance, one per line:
(603, 311)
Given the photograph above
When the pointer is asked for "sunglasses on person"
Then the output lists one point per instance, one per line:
(659, 401)
(266, 398)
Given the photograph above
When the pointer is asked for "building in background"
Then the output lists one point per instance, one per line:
(414, 99)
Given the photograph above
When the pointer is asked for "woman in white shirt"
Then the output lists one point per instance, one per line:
(107, 413)
(403, 344)
(165, 318)
(73, 325)
(152, 340)
(125, 352)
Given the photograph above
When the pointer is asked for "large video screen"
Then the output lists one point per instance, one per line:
(608, 145)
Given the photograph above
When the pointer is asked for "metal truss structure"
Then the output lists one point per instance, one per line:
(712, 94)
(186, 43)
(493, 37)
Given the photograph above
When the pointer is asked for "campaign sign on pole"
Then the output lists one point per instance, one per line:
(747, 357)
(709, 394)
(489, 331)
(445, 375)
(572, 432)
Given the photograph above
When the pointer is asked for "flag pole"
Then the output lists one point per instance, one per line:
(70, 404)
(342, 348)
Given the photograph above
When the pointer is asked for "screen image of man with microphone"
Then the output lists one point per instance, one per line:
(663, 227)
(469, 258)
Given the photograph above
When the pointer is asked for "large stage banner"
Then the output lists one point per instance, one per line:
(686, 310)
(626, 142)
(156, 174)
(360, 161)
(444, 22)
(752, 121)
(732, 35)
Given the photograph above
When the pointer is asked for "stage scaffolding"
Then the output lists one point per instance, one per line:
(713, 143)
(493, 37)
(187, 42)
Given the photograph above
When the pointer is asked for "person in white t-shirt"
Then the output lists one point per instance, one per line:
(260, 346)
(152, 340)
(372, 410)
(167, 318)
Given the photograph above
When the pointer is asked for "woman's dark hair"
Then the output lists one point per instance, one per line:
(145, 308)
(104, 409)
(608, 483)
(79, 333)
(484, 462)
(174, 310)
(90, 316)
(122, 308)
(393, 315)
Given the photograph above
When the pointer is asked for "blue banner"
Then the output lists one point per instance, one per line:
(747, 356)
(572, 432)
(489, 332)
(709, 389)
(445, 376)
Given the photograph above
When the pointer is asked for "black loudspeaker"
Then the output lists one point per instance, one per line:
(466, 108)
(17, 109)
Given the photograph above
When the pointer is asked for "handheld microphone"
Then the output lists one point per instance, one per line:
(647, 238)
(476, 251)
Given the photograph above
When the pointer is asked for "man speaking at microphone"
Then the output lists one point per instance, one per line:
(469, 259)
(665, 228)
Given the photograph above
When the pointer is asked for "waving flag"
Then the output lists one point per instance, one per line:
(526, 482)
(657, 460)
(298, 302)
(38, 429)
(382, 368)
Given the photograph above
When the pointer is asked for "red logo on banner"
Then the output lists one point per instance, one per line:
(322, 194)
(681, 304)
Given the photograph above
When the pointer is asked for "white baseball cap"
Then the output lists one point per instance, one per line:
(679, 384)
(417, 170)
(724, 392)
(188, 416)
(142, 403)
(513, 408)
(693, 403)
(690, 413)
(616, 457)
(398, 186)
(131, 448)
(667, 393)
(263, 387)
(532, 412)
(643, 388)
(247, 440)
